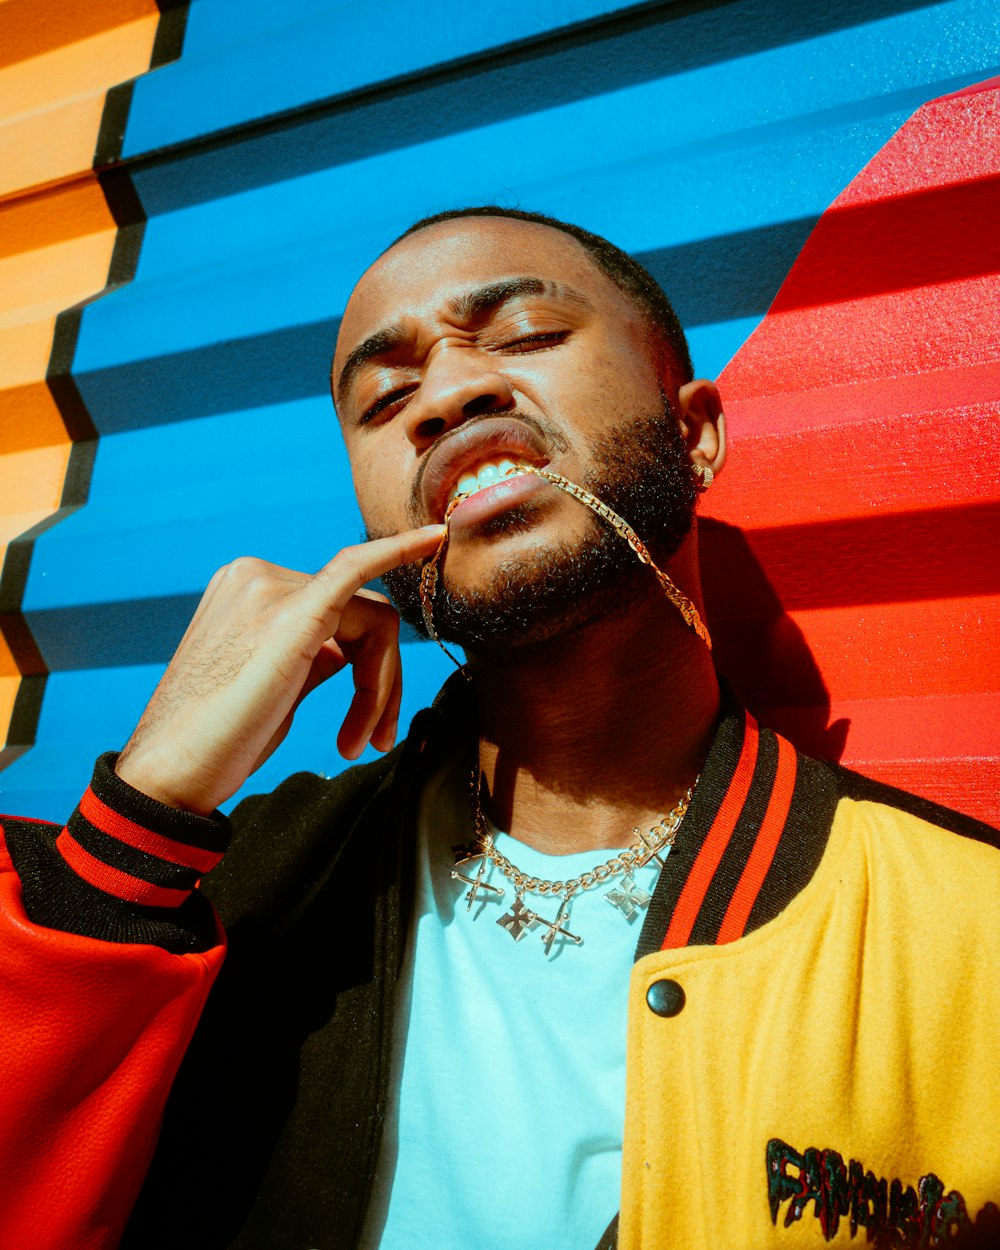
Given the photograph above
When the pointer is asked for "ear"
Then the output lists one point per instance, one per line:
(702, 425)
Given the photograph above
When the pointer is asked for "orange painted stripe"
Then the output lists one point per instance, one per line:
(58, 58)
(10, 681)
(44, 281)
(923, 727)
(52, 99)
(714, 846)
(111, 881)
(76, 71)
(142, 839)
(8, 665)
(53, 216)
(29, 419)
(801, 352)
(734, 922)
(30, 28)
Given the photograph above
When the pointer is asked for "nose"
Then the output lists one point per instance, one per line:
(460, 382)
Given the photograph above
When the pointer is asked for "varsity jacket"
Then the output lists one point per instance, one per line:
(812, 1029)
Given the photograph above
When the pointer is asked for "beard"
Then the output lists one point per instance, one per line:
(641, 470)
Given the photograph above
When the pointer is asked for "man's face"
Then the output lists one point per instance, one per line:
(480, 343)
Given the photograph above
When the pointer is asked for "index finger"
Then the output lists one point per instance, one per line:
(352, 567)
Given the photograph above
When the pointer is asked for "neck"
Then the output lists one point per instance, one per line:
(598, 732)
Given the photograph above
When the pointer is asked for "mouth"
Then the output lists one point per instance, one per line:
(487, 474)
(485, 459)
(487, 491)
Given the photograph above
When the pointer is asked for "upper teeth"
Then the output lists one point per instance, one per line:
(488, 473)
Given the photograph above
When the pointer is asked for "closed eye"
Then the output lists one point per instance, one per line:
(521, 345)
(533, 342)
(385, 401)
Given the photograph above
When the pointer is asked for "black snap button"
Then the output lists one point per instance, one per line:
(666, 998)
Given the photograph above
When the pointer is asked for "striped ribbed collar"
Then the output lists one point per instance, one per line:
(752, 837)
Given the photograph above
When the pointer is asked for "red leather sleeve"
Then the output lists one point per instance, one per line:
(93, 1034)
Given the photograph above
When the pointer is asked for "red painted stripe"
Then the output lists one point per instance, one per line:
(714, 846)
(734, 922)
(117, 826)
(112, 881)
(776, 410)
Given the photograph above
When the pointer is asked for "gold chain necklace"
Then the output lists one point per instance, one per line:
(429, 571)
(627, 897)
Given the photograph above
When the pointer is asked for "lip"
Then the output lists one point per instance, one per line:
(468, 447)
(491, 500)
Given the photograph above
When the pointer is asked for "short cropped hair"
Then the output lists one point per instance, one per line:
(625, 272)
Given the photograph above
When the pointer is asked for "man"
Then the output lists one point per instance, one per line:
(421, 1032)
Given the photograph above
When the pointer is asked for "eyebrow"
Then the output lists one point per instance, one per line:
(470, 307)
(486, 299)
(377, 344)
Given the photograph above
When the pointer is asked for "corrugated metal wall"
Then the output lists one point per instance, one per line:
(855, 577)
(252, 178)
(62, 243)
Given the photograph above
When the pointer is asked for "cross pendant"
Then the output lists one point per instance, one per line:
(628, 897)
(476, 883)
(554, 927)
(647, 842)
(518, 920)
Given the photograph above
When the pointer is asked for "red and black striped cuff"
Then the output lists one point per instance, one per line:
(124, 869)
(127, 845)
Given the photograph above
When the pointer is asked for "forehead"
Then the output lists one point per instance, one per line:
(420, 275)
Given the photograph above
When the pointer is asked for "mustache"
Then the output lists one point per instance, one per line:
(549, 434)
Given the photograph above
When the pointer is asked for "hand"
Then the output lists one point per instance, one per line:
(262, 638)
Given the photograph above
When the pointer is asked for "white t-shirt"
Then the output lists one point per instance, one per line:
(505, 1126)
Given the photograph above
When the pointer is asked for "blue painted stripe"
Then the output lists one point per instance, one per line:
(238, 69)
(719, 279)
(705, 137)
(280, 280)
(228, 76)
(85, 713)
(170, 505)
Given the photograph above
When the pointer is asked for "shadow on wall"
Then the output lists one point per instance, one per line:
(762, 651)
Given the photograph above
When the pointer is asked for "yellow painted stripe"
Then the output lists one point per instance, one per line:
(24, 354)
(58, 61)
(31, 486)
(84, 68)
(9, 685)
(44, 281)
(51, 146)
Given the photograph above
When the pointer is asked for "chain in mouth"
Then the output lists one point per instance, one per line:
(429, 572)
(487, 474)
